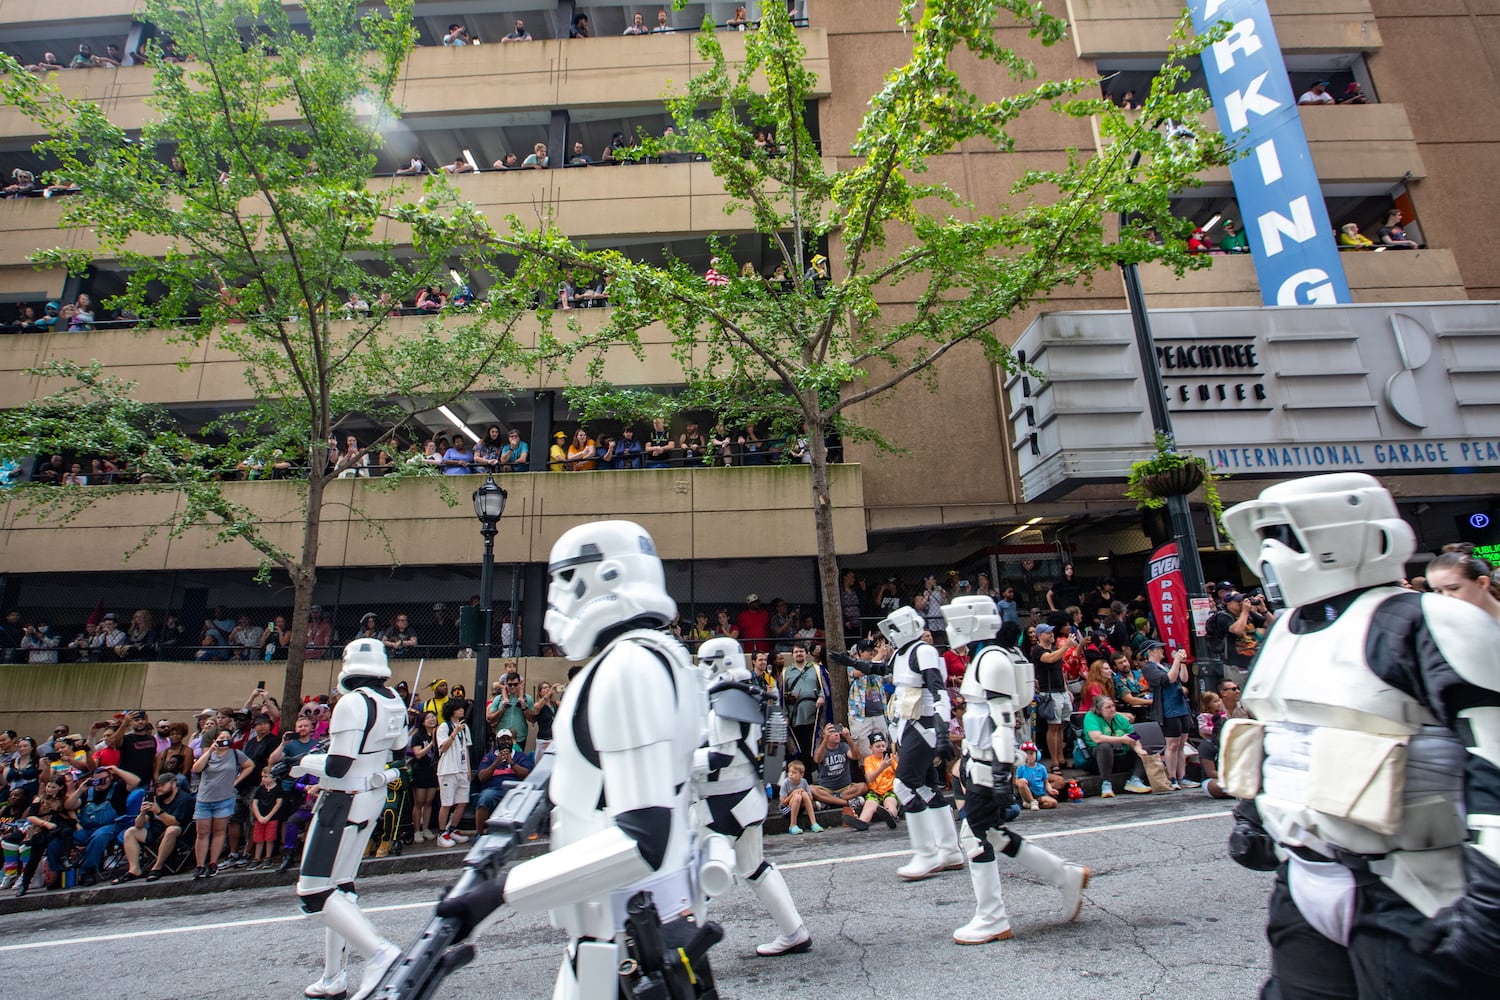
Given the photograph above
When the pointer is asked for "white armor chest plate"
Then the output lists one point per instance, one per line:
(647, 706)
(724, 737)
(370, 750)
(906, 672)
(979, 727)
(1303, 686)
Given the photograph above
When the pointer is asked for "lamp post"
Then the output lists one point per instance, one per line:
(489, 504)
(1179, 513)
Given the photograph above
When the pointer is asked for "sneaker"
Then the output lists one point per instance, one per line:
(232, 861)
(794, 830)
(1106, 791)
(815, 828)
(210, 870)
(1035, 805)
(1137, 786)
(199, 872)
(254, 865)
(1188, 783)
(458, 838)
(1176, 787)
(446, 840)
(240, 861)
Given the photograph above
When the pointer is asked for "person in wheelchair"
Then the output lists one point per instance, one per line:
(98, 822)
(163, 820)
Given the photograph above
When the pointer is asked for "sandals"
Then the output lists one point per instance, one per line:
(129, 876)
(154, 875)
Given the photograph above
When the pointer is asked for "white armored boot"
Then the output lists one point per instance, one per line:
(1070, 879)
(990, 922)
(945, 839)
(927, 858)
(341, 914)
(770, 888)
(335, 982)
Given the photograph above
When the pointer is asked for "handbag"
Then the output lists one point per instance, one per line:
(1156, 773)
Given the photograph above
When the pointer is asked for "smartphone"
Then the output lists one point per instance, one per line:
(260, 685)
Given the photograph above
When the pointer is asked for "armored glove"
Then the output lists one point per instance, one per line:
(1249, 843)
(470, 908)
(1003, 782)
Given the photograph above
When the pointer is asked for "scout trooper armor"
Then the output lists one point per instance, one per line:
(367, 726)
(623, 746)
(996, 683)
(731, 790)
(1370, 774)
(922, 714)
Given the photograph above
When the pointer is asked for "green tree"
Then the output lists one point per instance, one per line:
(801, 356)
(244, 214)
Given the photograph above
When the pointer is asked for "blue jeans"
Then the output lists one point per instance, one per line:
(97, 842)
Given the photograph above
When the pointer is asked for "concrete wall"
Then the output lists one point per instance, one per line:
(36, 697)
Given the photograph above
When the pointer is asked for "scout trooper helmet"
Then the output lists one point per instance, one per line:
(1310, 539)
(364, 658)
(971, 618)
(902, 626)
(604, 573)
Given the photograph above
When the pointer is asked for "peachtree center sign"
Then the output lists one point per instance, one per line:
(1291, 237)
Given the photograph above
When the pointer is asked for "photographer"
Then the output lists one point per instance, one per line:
(453, 742)
(1239, 628)
(92, 800)
(162, 819)
(136, 743)
(839, 782)
(499, 769)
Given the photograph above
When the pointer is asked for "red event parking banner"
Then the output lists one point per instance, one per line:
(1169, 599)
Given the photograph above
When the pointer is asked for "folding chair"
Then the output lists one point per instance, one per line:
(181, 856)
(1151, 736)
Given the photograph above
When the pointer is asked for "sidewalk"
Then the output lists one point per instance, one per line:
(414, 858)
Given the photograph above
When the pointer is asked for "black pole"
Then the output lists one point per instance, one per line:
(482, 651)
(1179, 512)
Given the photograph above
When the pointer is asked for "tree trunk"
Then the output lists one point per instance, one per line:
(828, 572)
(304, 579)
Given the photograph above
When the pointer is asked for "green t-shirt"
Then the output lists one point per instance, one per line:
(1093, 722)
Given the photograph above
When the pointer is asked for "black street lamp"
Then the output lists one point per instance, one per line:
(489, 504)
(1179, 512)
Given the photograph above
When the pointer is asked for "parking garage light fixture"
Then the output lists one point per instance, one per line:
(463, 427)
(1019, 528)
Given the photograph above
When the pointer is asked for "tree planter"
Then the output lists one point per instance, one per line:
(1174, 482)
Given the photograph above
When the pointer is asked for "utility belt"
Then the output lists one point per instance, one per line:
(674, 894)
(1361, 864)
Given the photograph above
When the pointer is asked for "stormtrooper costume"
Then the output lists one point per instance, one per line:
(730, 791)
(994, 684)
(922, 716)
(623, 745)
(1370, 773)
(368, 725)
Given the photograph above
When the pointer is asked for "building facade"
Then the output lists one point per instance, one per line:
(1000, 474)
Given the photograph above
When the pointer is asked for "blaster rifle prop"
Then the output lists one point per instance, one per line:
(419, 971)
(661, 969)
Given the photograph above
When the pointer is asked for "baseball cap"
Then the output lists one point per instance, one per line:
(878, 738)
(1226, 585)
(1044, 629)
(1028, 747)
(503, 733)
(1233, 596)
(559, 436)
(205, 713)
(1151, 644)
(751, 598)
(111, 617)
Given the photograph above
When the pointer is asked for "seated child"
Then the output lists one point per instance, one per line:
(1037, 788)
(796, 795)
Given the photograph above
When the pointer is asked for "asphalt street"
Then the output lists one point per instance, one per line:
(1166, 915)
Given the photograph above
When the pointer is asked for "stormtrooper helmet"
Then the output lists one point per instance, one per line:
(902, 626)
(364, 658)
(604, 573)
(1314, 538)
(721, 660)
(971, 618)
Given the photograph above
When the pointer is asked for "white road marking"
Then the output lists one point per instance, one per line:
(427, 905)
(821, 862)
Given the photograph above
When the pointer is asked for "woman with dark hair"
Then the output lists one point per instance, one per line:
(27, 767)
(49, 819)
(1065, 590)
(1461, 574)
(177, 758)
(1009, 636)
(487, 452)
(424, 777)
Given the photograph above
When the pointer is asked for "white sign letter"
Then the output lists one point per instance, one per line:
(1300, 227)
(1319, 289)
(1270, 163)
(1239, 103)
(1242, 38)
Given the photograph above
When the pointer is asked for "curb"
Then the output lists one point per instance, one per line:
(174, 886)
